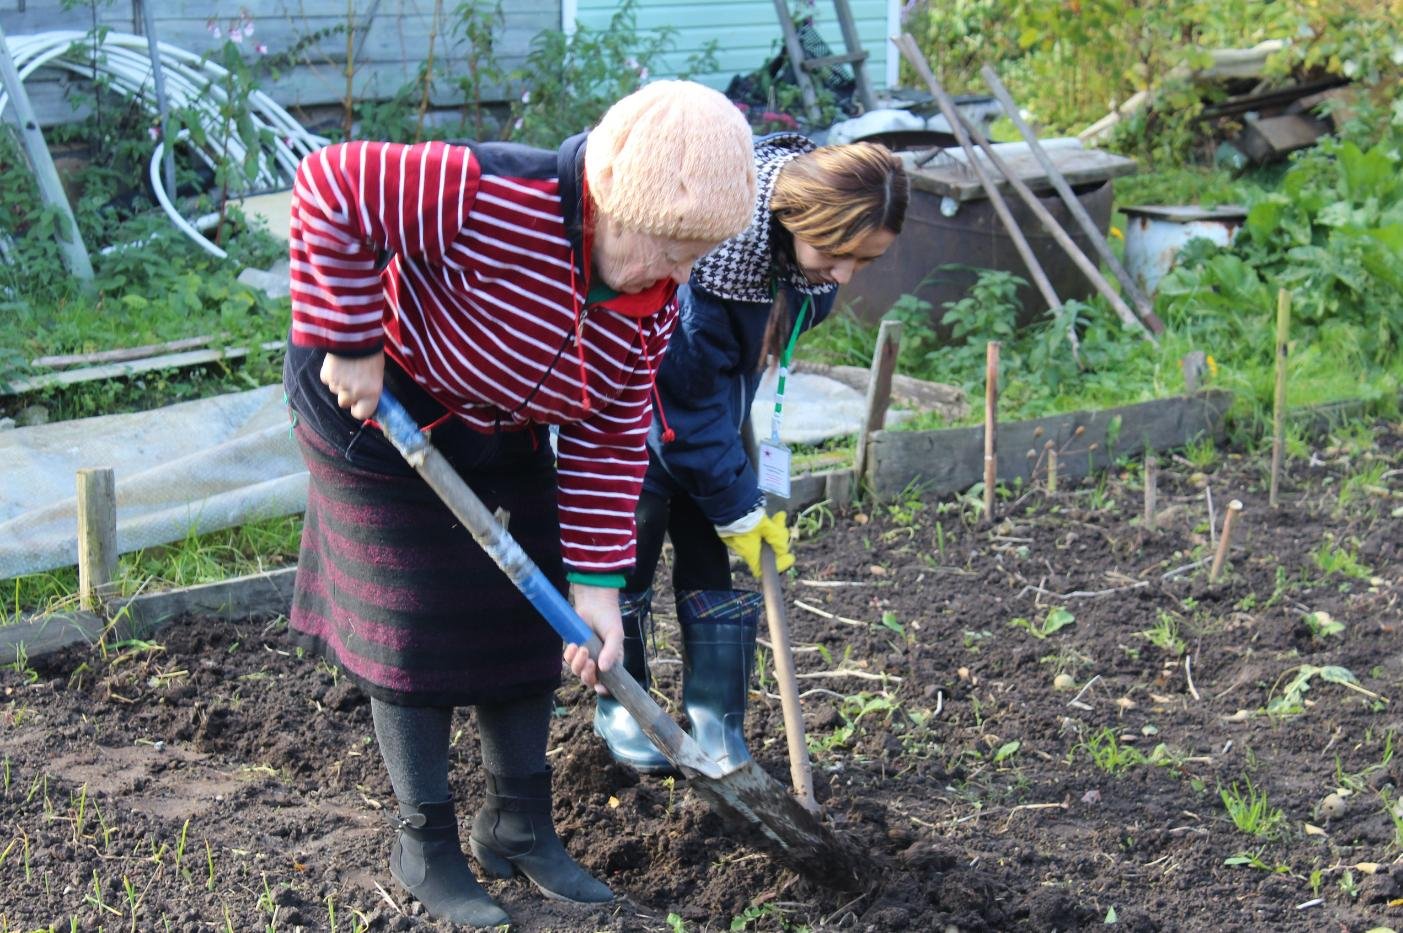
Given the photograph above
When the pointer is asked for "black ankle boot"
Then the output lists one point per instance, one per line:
(514, 832)
(614, 724)
(718, 645)
(428, 861)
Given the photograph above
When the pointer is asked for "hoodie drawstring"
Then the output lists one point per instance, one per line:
(579, 340)
(669, 435)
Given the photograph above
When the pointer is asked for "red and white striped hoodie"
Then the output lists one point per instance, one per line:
(480, 302)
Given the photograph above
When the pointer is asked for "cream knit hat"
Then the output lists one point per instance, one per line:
(673, 159)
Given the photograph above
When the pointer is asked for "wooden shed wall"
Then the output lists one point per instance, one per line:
(747, 32)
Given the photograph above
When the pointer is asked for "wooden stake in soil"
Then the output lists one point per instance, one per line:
(991, 425)
(1051, 468)
(97, 534)
(1151, 488)
(1234, 507)
(878, 391)
(1278, 419)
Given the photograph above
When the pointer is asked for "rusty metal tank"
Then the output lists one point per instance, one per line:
(952, 229)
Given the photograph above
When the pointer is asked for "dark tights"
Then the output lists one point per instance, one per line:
(414, 743)
(700, 560)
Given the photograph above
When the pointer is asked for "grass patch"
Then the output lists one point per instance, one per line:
(253, 548)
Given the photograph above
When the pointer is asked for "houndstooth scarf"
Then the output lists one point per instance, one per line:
(744, 267)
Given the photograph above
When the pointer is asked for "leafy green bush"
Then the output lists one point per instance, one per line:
(1332, 234)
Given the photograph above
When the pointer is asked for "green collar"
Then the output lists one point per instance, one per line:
(599, 292)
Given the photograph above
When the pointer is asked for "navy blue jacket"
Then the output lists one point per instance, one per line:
(706, 384)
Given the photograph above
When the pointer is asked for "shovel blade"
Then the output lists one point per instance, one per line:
(748, 797)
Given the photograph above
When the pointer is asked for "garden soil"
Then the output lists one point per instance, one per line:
(212, 779)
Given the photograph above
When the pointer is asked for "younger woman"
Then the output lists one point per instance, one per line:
(821, 214)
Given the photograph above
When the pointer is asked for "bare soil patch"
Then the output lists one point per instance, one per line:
(212, 779)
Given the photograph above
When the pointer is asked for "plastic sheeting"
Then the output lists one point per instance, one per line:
(189, 468)
(815, 409)
(201, 466)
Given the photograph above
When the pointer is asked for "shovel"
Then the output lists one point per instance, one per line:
(746, 797)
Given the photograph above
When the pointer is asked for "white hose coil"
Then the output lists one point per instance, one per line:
(191, 82)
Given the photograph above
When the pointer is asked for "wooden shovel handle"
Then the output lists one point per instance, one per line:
(800, 771)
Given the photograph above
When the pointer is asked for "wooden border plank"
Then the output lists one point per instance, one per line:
(132, 368)
(951, 460)
(142, 616)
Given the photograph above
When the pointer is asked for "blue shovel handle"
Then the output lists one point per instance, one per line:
(404, 433)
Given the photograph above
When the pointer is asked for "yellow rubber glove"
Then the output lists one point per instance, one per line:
(769, 529)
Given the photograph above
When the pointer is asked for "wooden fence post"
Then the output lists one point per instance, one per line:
(991, 426)
(97, 534)
(1278, 419)
(878, 392)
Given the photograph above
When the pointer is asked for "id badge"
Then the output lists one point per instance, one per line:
(774, 468)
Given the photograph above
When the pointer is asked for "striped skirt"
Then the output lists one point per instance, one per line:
(392, 589)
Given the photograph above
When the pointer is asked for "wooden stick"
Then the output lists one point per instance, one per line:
(1051, 468)
(1278, 420)
(1074, 205)
(97, 534)
(1151, 490)
(800, 769)
(119, 355)
(964, 130)
(991, 425)
(912, 53)
(1234, 507)
(1069, 246)
(878, 391)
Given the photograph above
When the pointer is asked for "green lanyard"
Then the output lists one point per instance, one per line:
(784, 359)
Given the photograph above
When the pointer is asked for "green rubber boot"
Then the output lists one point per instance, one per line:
(514, 833)
(614, 724)
(427, 860)
(718, 642)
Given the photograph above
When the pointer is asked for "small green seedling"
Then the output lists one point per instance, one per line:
(1056, 618)
(1321, 625)
(1164, 634)
(1250, 810)
(1107, 753)
(1255, 860)
(1334, 559)
(1292, 698)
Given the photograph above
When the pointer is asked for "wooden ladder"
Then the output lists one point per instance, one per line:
(856, 56)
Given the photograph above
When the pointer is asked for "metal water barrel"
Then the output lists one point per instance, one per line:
(952, 229)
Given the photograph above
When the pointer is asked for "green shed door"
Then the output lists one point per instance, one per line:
(746, 32)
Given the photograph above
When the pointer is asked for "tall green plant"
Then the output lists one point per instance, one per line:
(568, 81)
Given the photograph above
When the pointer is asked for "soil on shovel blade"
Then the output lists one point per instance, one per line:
(1036, 724)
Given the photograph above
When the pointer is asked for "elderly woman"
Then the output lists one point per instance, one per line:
(496, 290)
(821, 215)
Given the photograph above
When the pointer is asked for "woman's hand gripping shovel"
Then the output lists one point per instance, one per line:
(746, 796)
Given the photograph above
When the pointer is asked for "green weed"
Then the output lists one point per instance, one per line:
(1106, 752)
(1250, 811)
(1164, 634)
(1291, 699)
(1321, 625)
(1255, 860)
(1334, 559)
(1057, 618)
